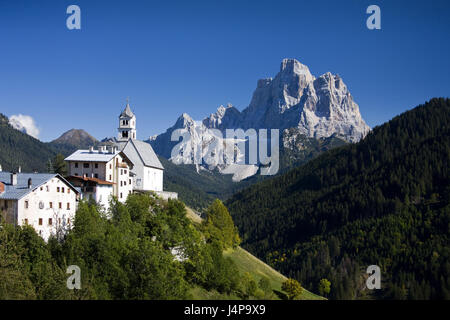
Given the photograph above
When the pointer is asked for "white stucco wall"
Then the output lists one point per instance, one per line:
(112, 171)
(103, 195)
(148, 179)
(39, 207)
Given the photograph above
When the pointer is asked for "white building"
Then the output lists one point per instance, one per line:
(106, 172)
(147, 169)
(47, 202)
(118, 169)
(127, 124)
(93, 189)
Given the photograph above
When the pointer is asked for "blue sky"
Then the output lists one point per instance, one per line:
(172, 57)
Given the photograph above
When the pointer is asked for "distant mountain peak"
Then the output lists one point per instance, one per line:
(76, 137)
(294, 66)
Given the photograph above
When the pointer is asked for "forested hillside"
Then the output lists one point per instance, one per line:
(19, 149)
(199, 189)
(146, 248)
(383, 201)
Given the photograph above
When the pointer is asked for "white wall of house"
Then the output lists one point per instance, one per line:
(94, 169)
(103, 195)
(48, 208)
(115, 170)
(154, 179)
(148, 179)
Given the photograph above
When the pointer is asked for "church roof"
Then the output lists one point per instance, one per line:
(127, 112)
(141, 152)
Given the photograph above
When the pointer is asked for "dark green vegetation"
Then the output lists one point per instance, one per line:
(19, 149)
(126, 254)
(383, 201)
(199, 189)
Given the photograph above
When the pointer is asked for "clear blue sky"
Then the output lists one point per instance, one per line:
(172, 57)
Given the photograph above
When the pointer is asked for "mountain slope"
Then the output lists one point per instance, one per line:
(72, 140)
(19, 149)
(382, 201)
(246, 263)
(199, 187)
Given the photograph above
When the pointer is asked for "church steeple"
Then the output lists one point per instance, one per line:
(127, 124)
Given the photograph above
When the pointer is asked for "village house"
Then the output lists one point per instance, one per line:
(101, 174)
(45, 201)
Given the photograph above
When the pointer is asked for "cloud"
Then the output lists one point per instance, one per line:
(25, 124)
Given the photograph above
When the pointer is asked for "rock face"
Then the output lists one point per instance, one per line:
(319, 107)
(315, 107)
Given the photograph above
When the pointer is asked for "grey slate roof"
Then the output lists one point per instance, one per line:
(141, 152)
(21, 188)
(127, 112)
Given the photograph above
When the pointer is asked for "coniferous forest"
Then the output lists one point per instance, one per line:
(383, 201)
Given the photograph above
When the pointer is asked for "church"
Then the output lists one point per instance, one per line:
(147, 169)
(123, 166)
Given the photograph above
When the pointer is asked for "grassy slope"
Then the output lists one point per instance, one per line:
(245, 262)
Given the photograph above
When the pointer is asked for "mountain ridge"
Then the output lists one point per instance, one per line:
(316, 107)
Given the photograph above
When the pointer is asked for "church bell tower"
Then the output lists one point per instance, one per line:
(127, 124)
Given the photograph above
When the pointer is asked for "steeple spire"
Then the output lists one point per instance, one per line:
(127, 123)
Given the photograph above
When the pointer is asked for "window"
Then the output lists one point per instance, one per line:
(68, 190)
(76, 164)
(51, 205)
(124, 183)
(121, 195)
(96, 166)
(68, 205)
(86, 165)
(96, 175)
(76, 173)
(60, 205)
(40, 221)
(125, 171)
(57, 189)
(26, 221)
(68, 221)
(129, 181)
(62, 189)
(110, 178)
(121, 184)
(50, 221)
(48, 188)
(110, 166)
(121, 172)
(26, 204)
(42, 188)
